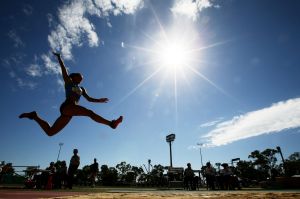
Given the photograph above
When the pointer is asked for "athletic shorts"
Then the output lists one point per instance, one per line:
(63, 105)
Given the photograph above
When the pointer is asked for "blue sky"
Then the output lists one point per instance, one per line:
(221, 73)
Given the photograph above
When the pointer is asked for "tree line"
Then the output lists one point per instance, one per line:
(260, 166)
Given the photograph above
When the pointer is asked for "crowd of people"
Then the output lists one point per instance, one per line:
(223, 179)
(57, 176)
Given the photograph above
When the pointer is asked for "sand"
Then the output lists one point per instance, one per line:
(190, 195)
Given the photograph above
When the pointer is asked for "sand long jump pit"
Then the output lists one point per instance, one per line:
(154, 194)
(190, 195)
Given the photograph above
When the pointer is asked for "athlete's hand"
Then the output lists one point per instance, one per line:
(103, 100)
(56, 54)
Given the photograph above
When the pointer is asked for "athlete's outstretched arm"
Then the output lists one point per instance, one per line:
(91, 99)
(64, 71)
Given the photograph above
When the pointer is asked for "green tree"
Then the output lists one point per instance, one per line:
(7, 169)
(108, 176)
(245, 170)
(264, 162)
(270, 156)
(124, 171)
(294, 157)
(292, 164)
(83, 174)
(132, 175)
(156, 177)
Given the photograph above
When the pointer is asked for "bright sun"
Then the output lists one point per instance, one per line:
(173, 53)
(173, 56)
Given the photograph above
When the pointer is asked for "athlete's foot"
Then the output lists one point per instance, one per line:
(30, 115)
(114, 124)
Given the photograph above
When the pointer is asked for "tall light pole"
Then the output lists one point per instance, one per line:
(283, 162)
(280, 152)
(200, 145)
(60, 145)
(170, 138)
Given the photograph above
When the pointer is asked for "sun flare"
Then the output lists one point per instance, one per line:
(173, 56)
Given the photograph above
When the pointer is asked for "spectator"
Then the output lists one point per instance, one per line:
(94, 172)
(210, 174)
(61, 175)
(74, 164)
(50, 175)
(189, 177)
(226, 175)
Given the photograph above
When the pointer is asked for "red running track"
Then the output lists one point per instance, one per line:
(19, 194)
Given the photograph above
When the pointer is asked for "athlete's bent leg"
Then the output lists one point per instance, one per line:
(76, 110)
(59, 124)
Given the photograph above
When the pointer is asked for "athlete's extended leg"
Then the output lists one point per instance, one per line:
(76, 110)
(59, 124)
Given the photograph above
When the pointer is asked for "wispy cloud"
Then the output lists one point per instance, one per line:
(12, 64)
(51, 67)
(34, 70)
(12, 34)
(278, 117)
(74, 28)
(28, 9)
(212, 123)
(71, 27)
(25, 84)
(50, 20)
(191, 8)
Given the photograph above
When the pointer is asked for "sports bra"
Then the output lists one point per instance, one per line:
(73, 91)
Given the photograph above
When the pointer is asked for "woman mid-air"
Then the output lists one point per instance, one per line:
(70, 107)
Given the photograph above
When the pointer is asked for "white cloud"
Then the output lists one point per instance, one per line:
(192, 147)
(278, 117)
(211, 123)
(75, 28)
(50, 19)
(34, 70)
(191, 8)
(51, 67)
(127, 6)
(61, 84)
(14, 64)
(16, 39)
(28, 9)
(28, 84)
(117, 7)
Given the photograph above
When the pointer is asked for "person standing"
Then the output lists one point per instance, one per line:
(94, 172)
(74, 164)
(210, 174)
(226, 176)
(189, 177)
